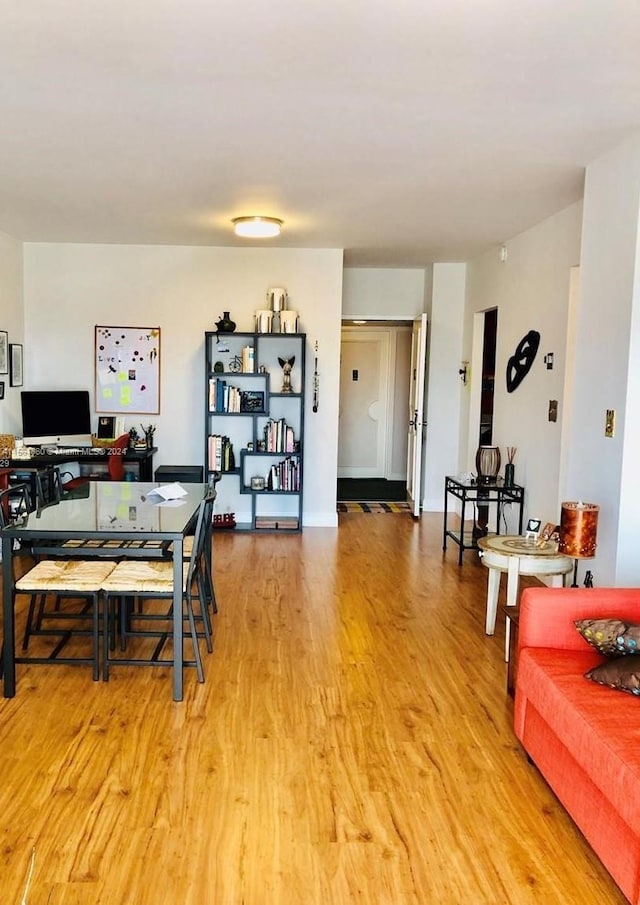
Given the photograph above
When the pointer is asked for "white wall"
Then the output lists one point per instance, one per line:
(530, 291)
(607, 364)
(184, 290)
(11, 321)
(381, 293)
(444, 386)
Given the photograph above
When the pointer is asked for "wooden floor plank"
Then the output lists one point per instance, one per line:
(352, 744)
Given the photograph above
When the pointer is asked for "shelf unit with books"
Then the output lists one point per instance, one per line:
(254, 426)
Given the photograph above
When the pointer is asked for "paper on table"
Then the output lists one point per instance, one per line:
(167, 492)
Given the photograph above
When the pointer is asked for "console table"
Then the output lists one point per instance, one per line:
(469, 491)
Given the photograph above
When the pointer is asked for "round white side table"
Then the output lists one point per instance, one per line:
(518, 556)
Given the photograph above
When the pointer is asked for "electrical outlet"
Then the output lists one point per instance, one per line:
(610, 423)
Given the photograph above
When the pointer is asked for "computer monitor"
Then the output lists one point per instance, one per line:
(56, 417)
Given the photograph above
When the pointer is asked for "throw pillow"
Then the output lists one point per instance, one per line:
(612, 637)
(622, 674)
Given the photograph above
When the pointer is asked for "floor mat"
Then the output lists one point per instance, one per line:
(374, 507)
(371, 489)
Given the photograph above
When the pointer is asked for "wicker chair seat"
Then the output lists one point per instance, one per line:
(132, 577)
(83, 576)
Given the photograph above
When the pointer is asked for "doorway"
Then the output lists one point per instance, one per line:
(372, 432)
(488, 377)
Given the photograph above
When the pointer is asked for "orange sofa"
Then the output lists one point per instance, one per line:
(583, 737)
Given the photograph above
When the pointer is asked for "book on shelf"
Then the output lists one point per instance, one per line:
(248, 360)
(284, 475)
(224, 398)
(221, 456)
(278, 436)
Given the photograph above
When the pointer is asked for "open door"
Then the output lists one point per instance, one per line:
(415, 447)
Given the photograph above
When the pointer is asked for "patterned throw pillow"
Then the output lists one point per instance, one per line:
(622, 674)
(612, 637)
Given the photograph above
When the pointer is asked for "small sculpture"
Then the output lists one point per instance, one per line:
(286, 364)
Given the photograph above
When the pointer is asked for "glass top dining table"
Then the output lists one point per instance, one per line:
(113, 510)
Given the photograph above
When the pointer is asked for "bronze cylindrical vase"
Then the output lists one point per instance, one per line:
(578, 529)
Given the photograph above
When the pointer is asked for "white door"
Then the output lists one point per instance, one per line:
(415, 449)
(362, 427)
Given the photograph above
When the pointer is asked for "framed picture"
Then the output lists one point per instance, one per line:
(252, 401)
(106, 427)
(15, 360)
(4, 352)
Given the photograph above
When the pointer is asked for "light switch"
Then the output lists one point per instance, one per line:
(354, 374)
(553, 410)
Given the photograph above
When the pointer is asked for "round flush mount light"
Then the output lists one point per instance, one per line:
(257, 227)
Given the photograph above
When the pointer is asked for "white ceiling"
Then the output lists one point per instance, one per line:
(404, 131)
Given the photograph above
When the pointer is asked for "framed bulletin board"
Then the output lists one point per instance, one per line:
(127, 365)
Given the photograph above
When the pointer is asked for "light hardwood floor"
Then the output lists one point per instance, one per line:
(352, 744)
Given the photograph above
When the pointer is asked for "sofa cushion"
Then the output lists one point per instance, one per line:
(613, 637)
(601, 731)
(622, 673)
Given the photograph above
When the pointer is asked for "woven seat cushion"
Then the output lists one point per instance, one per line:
(142, 577)
(66, 575)
(187, 546)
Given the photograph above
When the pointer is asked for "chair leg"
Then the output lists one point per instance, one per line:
(194, 638)
(29, 623)
(204, 610)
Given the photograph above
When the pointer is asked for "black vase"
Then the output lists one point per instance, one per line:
(225, 324)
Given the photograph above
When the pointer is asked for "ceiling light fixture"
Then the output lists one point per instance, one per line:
(257, 227)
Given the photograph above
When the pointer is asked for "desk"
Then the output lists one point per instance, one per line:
(115, 510)
(517, 556)
(92, 454)
(483, 495)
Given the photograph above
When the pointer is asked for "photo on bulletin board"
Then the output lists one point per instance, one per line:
(127, 366)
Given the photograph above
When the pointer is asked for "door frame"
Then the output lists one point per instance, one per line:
(365, 335)
(393, 327)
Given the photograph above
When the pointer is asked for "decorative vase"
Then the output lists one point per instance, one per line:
(509, 474)
(225, 324)
(488, 464)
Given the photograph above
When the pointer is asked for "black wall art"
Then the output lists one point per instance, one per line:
(520, 362)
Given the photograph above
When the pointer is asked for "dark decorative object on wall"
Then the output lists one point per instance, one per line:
(225, 324)
(520, 362)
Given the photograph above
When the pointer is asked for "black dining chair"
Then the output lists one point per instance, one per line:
(149, 582)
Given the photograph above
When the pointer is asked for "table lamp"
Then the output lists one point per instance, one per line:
(578, 532)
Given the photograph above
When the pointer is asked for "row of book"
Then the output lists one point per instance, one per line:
(285, 475)
(220, 453)
(278, 436)
(225, 398)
